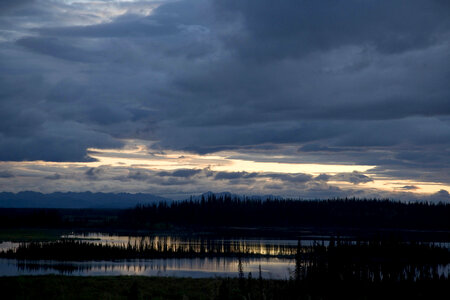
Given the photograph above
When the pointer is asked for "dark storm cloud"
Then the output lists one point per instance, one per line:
(209, 177)
(159, 179)
(354, 82)
(317, 147)
(295, 178)
(234, 175)
(93, 173)
(409, 188)
(415, 171)
(177, 177)
(7, 5)
(292, 178)
(184, 173)
(354, 177)
(323, 177)
(59, 48)
(6, 174)
(298, 27)
(66, 141)
(137, 175)
(120, 28)
(441, 196)
(55, 176)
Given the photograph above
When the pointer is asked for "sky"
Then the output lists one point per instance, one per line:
(295, 98)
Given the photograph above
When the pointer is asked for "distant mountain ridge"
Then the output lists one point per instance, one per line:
(241, 197)
(30, 199)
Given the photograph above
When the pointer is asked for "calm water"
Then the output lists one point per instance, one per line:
(273, 265)
(268, 247)
(271, 268)
(254, 245)
(194, 267)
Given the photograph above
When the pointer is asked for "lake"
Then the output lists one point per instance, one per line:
(273, 268)
(276, 261)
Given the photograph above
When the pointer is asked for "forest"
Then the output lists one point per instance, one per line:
(365, 249)
(218, 212)
(233, 211)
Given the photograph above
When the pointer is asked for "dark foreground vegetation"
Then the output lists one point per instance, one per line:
(219, 212)
(359, 266)
(228, 211)
(62, 287)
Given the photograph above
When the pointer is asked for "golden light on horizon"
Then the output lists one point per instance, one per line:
(178, 160)
(173, 160)
(137, 156)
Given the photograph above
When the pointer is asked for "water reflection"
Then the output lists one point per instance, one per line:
(276, 258)
(5, 246)
(193, 267)
(273, 268)
(266, 247)
(256, 246)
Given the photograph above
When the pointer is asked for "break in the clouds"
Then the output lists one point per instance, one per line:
(332, 82)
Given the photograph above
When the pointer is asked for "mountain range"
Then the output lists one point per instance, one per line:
(29, 199)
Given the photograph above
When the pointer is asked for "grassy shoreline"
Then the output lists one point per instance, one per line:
(337, 250)
(137, 287)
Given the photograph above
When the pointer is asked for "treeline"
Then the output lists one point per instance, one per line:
(232, 212)
(337, 252)
(228, 211)
(69, 249)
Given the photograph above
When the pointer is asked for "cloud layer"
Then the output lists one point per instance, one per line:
(349, 82)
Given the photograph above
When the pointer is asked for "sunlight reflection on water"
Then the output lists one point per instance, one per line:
(270, 247)
(277, 262)
(193, 267)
